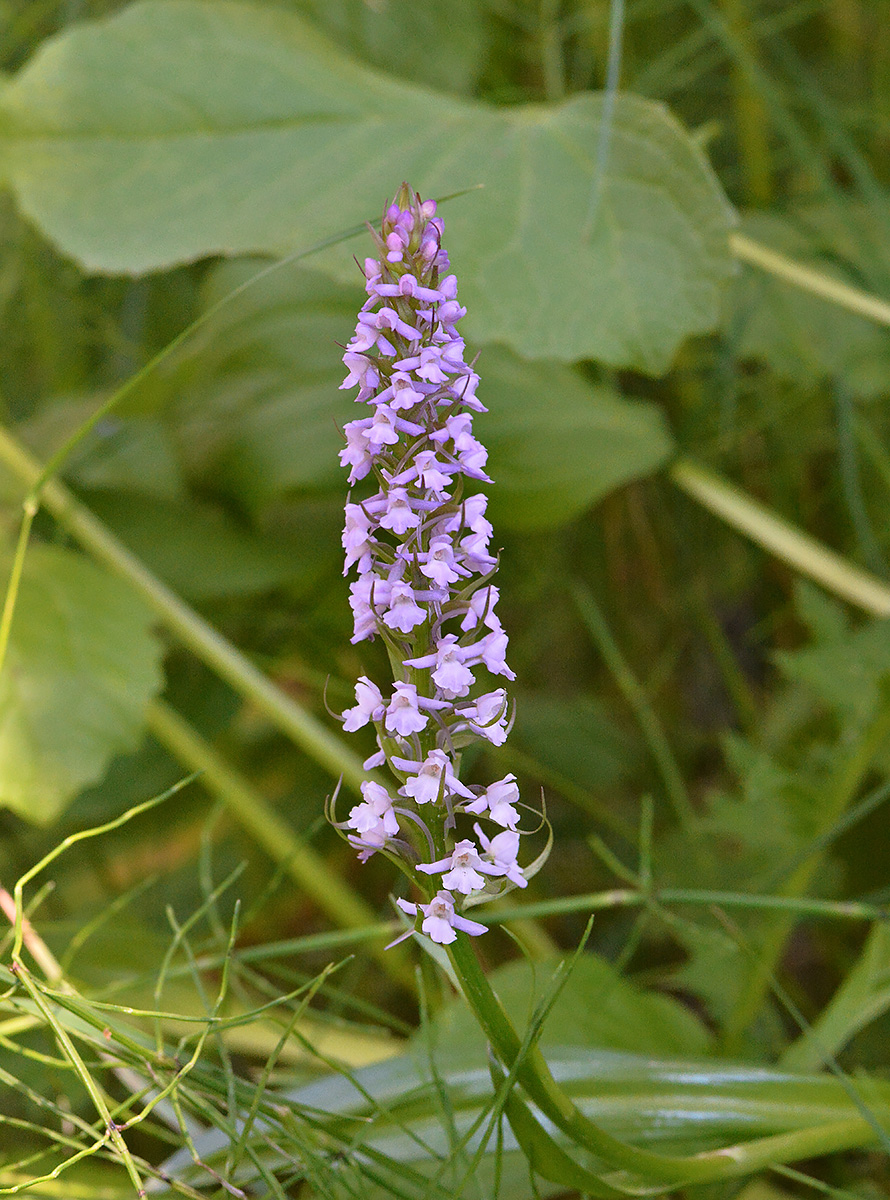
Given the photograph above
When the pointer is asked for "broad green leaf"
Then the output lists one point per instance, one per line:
(133, 453)
(440, 45)
(81, 668)
(847, 673)
(597, 1007)
(202, 553)
(255, 400)
(680, 1105)
(257, 407)
(179, 129)
(576, 736)
(558, 443)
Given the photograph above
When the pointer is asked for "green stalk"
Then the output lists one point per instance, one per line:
(305, 730)
(781, 538)
(809, 280)
(751, 117)
(112, 1132)
(550, 41)
(737, 686)
(250, 809)
(15, 577)
(531, 1071)
(842, 790)
(808, 906)
(637, 699)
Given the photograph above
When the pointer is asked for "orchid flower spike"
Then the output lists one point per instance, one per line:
(419, 542)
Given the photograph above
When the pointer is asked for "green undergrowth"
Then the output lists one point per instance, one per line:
(679, 290)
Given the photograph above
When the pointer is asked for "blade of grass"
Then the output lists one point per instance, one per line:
(841, 791)
(304, 865)
(781, 538)
(751, 119)
(636, 697)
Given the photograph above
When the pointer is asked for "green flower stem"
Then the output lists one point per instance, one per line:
(841, 792)
(809, 280)
(782, 539)
(305, 730)
(251, 810)
(532, 1072)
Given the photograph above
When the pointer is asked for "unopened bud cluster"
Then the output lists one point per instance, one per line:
(420, 546)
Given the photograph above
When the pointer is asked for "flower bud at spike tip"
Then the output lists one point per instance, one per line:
(418, 542)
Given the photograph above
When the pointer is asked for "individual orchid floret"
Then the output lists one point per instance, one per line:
(399, 515)
(357, 452)
(451, 675)
(403, 715)
(365, 596)
(439, 563)
(488, 717)
(481, 609)
(429, 470)
(374, 820)
(440, 920)
(380, 430)
(404, 612)
(502, 850)
(492, 650)
(357, 540)
(463, 870)
(403, 392)
(434, 777)
(361, 371)
(497, 802)
(369, 705)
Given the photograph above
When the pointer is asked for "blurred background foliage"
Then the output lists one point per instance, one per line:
(157, 163)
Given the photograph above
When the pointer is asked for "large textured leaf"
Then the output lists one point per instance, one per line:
(81, 668)
(258, 406)
(398, 35)
(559, 443)
(256, 402)
(200, 551)
(597, 1007)
(180, 128)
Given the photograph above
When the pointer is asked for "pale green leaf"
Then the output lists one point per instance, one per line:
(178, 129)
(597, 1007)
(848, 674)
(558, 443)
(862, 997)
(677, 1105)
(202, 553)
(81, 668)
(255, 401)
(441, 45)
(133, 453)
(256, 405)
(576, 736)
(260, 407)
